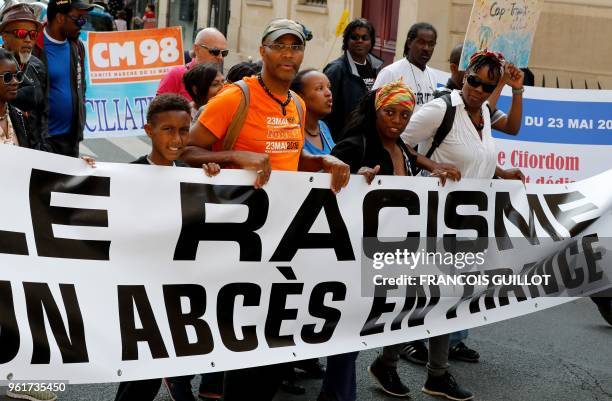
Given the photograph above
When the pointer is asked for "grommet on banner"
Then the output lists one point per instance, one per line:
(490, 185)
(311, 179)
(379, 182)
(294, 354)
(536, 305)
(119, 372)
(9, 376)
(428, 332)
(485, 318)
(364, 343)
(212, 364)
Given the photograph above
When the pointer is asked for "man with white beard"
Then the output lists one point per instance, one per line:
(20, 29)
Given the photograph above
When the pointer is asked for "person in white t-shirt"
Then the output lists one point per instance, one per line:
(412, 69)
(120, 21)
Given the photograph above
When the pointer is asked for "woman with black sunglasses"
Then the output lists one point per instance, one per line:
(353, 74)
(469, 144)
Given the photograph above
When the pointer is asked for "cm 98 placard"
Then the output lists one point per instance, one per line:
(133, 56)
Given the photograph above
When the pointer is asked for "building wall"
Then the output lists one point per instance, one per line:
(248, 18)
(572, 43)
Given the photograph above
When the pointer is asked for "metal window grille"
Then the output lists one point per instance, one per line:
(319, 3)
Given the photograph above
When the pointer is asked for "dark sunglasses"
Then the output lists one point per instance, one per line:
(354, 36)
(79, 21)
(475, 82)
(214, 51)
(23, 33)
(7, 77)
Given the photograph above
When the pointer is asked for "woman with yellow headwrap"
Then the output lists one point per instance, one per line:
(371, 142)
(371, 145)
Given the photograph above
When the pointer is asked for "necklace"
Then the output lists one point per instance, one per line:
(284, 104)
(3, 117)
(419, 88)
(315, 134)
(479, 125)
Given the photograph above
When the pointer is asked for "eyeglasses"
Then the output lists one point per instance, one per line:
(7, 77)
(475, 82)
(215, 51)
(280, 47)
(356, 37)
(79, 21)
(23, 33)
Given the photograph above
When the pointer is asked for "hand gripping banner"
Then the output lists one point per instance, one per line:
(126, 272)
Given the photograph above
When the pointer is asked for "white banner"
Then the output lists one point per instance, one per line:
(126, 272)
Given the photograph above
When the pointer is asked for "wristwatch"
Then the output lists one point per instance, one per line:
(518, 91)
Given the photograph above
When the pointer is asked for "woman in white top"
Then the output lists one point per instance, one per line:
(469, 144)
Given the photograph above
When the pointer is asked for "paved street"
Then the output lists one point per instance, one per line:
(560, 354)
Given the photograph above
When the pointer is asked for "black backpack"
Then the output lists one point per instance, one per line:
(445, 126)
(443, 129)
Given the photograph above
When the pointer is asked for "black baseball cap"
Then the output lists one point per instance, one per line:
(64, 6)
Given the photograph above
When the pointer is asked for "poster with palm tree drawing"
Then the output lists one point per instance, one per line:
(506, 26)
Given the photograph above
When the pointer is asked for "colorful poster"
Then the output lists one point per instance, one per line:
(506, 26)
(124, 69)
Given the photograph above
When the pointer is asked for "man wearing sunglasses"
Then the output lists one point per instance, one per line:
(20, 29)
(210, 47)
(63, 55)
(352, 74)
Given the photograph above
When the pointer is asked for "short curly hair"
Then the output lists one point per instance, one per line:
(358, 23)
(167, 102)
(485, 58)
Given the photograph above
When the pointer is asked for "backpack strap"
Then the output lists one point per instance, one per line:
(444, 128)
(298, 106)
(235, 126)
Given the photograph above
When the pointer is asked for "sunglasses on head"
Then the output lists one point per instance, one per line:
(23, 33)
(7, 77)
(354, 36)
(215, 51)
(475, 82)
(79, 21)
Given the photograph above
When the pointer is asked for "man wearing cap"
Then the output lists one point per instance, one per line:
(20, 29)
(210, 47)
(271, 138)
(63, 55)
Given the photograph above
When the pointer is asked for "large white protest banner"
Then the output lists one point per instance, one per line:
(125, 272)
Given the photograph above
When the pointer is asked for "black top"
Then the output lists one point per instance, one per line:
(367, 73)
(144, 160)
(347, 90)
(31, 100)
(367, 151)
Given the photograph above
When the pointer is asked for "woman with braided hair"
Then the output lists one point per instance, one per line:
(469, 144)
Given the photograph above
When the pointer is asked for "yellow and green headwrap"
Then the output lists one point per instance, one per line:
(395, 92)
